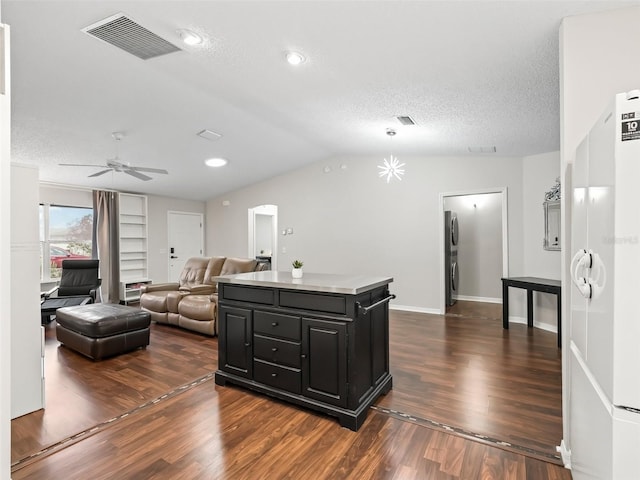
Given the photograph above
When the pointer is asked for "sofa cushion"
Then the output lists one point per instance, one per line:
(238, 265)
(213, 269)
(154, 301)
(193, 271)
(173, 299)
(197, 307)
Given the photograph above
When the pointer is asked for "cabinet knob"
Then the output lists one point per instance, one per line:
(274, 349)
(274, 374)
(247, 344)
(303, 356)
(274, 324)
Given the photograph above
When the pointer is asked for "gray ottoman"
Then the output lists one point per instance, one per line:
(102, 330)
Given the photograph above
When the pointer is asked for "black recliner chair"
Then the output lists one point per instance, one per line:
(79, 284)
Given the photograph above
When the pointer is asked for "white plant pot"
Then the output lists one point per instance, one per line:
(296, 272)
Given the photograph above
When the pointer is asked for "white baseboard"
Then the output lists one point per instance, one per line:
(434, 311)
(468, 298)
(565, 453)
(541, 325)
(409, 308)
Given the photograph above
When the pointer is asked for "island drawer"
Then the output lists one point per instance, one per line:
(277, 351)
(278, 376)
(246, 294)
(277, 325)
(319, 302)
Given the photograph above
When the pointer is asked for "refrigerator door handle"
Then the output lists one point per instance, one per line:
(599, 279)
(581, 263)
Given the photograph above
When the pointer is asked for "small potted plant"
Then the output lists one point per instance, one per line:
(296, 272)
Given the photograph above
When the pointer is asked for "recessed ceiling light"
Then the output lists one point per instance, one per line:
(215, 162)
(295, 58)
(189, 37)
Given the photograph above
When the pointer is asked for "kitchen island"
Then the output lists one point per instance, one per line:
(321, 342)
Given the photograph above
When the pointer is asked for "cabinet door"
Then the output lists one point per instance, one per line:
(324, 361)
(235, 331)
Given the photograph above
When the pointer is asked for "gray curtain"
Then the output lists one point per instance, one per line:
(106, 243)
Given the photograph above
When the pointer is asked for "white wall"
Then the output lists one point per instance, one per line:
(479, 245)
(595, 64)
(5, 253)
(27, 387)
(539, 175)
(158, 240)
(349, 220)
(65, 195)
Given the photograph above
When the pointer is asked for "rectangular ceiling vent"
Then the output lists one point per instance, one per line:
(406, 120)
(491, 149)
(209, 135)
(122, 32)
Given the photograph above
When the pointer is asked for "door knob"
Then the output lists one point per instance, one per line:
(173, 256)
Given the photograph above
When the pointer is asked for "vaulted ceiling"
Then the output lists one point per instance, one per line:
(469, 73)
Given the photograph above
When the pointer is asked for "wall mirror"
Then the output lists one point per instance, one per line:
(552, 217)
(551, 225)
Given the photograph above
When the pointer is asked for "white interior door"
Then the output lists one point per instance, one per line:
(186, 240)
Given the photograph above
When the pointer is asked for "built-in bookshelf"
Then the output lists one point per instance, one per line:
(130, 290)
(134, 269)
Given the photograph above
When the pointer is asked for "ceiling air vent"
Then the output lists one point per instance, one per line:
(209, 135)
(124, 33)
(406, 120)
(491, 149)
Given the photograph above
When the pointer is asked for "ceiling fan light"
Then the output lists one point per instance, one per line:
(215, 162)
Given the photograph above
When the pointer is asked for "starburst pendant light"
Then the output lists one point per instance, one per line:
(392, 167)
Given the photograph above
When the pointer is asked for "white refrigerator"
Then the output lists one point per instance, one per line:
(604, 334)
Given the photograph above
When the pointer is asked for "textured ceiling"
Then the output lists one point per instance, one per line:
(470, 73)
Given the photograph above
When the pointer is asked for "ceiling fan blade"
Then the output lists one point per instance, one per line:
(150, 170)
(80, 165)
(133, 173)
(100, 173)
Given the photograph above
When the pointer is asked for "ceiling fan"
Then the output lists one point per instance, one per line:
(114, 165)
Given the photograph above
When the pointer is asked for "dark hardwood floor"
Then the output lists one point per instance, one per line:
(455, 376)
(466, 371)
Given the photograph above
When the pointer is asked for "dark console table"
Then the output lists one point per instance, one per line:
(321, 342)
(530, 284)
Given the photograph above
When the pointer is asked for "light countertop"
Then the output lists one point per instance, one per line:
(315, 282)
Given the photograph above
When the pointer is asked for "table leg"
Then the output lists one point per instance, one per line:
(559, 321)
(529, 307)
(505, 305)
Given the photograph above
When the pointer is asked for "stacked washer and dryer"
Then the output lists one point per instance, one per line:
(451, 256)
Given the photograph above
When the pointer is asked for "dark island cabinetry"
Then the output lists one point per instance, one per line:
(320, 345)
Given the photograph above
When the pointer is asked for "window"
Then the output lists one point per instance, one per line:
(65, 232)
